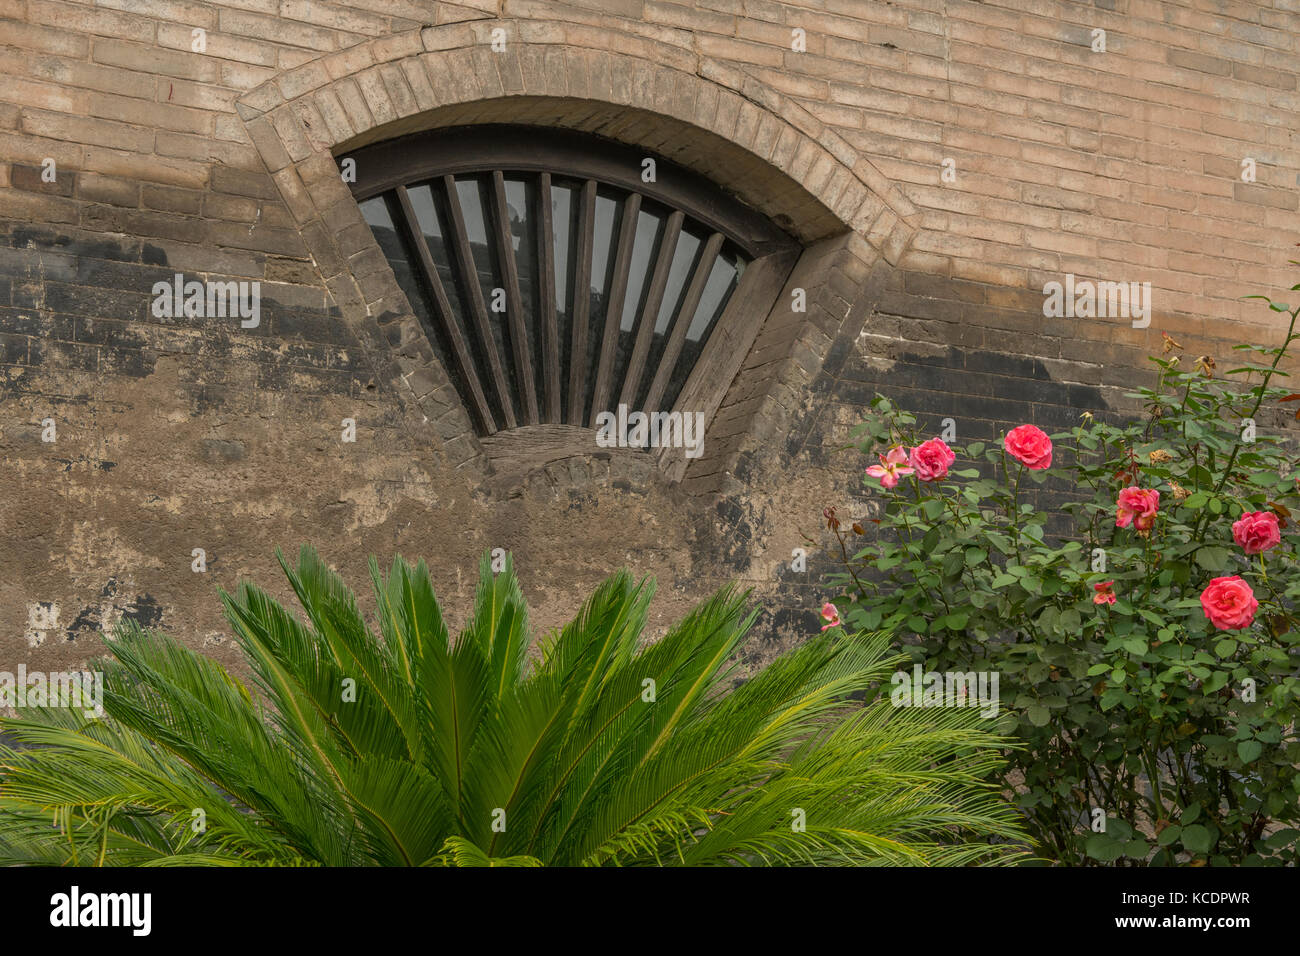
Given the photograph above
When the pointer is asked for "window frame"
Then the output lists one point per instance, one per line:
(393, 165)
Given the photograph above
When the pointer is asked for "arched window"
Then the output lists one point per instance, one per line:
(560, 275)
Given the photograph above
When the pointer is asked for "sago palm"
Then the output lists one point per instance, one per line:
(407, 747)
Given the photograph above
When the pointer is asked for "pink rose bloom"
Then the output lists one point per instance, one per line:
(931, 459)
(1257, 531)
(1104, 593)
(1029, 445)
(1140, 504)
(831, 614)
(892, 465)
(1229, 603)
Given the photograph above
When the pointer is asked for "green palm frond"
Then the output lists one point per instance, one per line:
(409, 747)
(460, 852)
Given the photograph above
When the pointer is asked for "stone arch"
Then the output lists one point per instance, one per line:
(711, 117)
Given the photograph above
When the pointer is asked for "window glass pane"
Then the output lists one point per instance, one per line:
(375, 212)
(429, 203)
(722, 281)
(609, 218)
(474, 193)
(689, 244)
(521, 205)
(431, 213)
(382, 212)
(649, 234)
(564, 223)
(649, 230)
(381, 222)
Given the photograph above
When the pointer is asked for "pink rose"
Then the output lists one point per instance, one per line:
(931, 459)
(1029, 445)
(831, 614)
(892, 464)
(1137, 503)
(1256, 531)
(1105, 593)
(1229, 603)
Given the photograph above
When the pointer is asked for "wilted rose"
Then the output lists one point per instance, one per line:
(1137, 506)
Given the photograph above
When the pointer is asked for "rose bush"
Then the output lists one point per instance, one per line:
(1148, 653)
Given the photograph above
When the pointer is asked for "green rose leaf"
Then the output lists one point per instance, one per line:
(1103, 848)
(1197, 839)
(1212, 559)
(1038, 715)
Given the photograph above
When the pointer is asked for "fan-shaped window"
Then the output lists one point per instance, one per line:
(558, 275)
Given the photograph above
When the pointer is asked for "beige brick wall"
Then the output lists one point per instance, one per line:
(1123, 166)
(1115, 164)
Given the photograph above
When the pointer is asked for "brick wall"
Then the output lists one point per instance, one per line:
(1123, 165)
